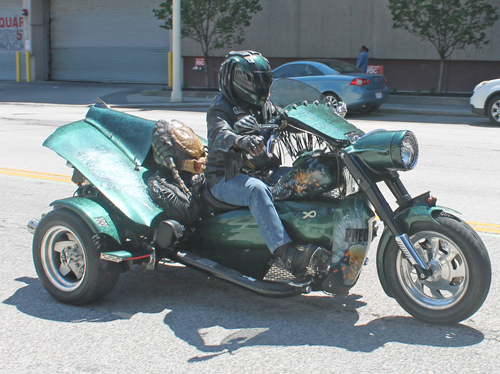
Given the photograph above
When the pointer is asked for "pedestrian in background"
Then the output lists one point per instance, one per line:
(362, 63)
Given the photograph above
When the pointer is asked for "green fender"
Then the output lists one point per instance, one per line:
(92, 213)
(416, 210)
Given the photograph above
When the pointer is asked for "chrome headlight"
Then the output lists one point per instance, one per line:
(409, 150)
(383, 151)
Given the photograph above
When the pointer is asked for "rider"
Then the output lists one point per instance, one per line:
(245, 78)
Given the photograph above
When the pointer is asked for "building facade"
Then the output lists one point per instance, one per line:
(85, 40)
(287, 30)
(121, 41)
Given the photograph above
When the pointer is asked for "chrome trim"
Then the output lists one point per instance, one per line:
(413, 150)
(32, 225)
(372, 132)
(341, 109)
(409, 251)
(372, 223)
(152, 261)
(113, 258)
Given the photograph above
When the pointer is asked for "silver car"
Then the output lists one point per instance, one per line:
(339, 81)
(486, 100)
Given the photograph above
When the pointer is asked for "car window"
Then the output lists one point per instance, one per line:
(294, 70)
(341, 67)
(311, 70)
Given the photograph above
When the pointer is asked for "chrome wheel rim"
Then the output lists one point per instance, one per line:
(495, 111)
(333, 100)
(63, 258)
(450, 279)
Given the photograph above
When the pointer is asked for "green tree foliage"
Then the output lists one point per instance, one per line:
(448, 24)
(215, 24)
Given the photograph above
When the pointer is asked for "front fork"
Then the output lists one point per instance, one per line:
(385, 212)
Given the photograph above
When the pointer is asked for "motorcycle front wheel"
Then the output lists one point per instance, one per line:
(66, 256)
(461, 271)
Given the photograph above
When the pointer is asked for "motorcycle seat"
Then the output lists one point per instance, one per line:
(210, 200)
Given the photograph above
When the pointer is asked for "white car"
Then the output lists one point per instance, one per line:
(486, 100)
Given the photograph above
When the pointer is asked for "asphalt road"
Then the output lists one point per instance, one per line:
(177, 320)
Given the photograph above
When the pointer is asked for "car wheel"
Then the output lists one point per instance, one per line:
(333, 98)
(493, 110)
(369, 109)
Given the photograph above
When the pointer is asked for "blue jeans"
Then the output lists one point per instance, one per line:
(243, 190)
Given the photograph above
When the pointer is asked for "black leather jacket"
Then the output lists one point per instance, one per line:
(221, 117)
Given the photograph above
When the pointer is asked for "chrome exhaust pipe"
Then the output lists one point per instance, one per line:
(32, 225)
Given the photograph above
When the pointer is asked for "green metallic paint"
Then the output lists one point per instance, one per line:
(305, 222)
(92, 213)
(308, 221)
(380, 151)
(233, 238)
(416, 210)
(132, 135)
(103, 163)
(321, 120)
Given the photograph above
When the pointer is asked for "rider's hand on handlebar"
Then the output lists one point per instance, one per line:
(246, 125)
(249, 121)
(252, 144)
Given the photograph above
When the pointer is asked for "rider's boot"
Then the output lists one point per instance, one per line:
(296, 260)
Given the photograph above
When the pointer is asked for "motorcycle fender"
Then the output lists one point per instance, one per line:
(416, 210)
(92, 213)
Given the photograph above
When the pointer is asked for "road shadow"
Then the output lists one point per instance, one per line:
(218, 318)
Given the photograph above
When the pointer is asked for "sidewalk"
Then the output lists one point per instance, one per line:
(124, 95)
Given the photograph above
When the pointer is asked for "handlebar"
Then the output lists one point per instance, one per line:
(269, 126)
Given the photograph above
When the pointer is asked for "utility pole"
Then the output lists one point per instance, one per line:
(176, 96)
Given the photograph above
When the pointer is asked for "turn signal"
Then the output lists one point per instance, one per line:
(359, 82)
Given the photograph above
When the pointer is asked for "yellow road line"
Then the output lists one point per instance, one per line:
(36, 175)
(32, 172)
(483, 224)
(484, 229)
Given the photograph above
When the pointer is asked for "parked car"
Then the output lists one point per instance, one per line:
(486, 100)
(339, 81)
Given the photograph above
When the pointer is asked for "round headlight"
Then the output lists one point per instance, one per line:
(409, 150)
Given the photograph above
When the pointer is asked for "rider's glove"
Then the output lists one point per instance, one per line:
(252, 144)
(247, 124)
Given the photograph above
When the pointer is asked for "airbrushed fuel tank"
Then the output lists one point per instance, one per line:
(313, 173)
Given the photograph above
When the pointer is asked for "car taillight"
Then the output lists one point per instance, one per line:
(359, 82)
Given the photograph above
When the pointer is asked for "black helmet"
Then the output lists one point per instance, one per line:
(245, 77)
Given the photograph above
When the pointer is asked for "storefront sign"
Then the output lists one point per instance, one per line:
(11, 30)
(375, 69)
(199, 63)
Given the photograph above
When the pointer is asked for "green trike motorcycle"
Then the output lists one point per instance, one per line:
(432, 262)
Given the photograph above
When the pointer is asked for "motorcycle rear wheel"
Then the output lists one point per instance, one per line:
(66, 256)
(461, 271)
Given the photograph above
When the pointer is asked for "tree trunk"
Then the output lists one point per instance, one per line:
(441, 71)
(207, 72)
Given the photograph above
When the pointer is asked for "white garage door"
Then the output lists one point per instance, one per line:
(11, 38)
(107, 41)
